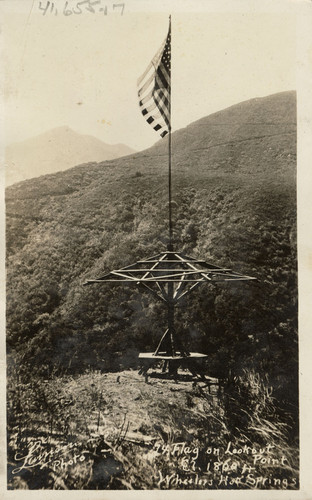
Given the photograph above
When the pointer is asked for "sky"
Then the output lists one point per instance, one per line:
(81, 70)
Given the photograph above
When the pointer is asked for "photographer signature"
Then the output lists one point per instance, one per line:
(38, 456)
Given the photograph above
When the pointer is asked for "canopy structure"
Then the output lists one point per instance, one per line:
(182, 272)
(170, 276)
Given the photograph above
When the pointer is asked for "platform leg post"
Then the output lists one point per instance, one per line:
(172, 351)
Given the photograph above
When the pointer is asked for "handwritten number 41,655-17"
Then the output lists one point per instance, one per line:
(79, 8)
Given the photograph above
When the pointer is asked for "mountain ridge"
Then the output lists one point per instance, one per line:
(56, 150)
(191, 143)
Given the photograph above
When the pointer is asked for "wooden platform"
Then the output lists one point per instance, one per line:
(151, 356)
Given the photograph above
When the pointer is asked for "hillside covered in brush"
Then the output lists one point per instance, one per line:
(234, 191)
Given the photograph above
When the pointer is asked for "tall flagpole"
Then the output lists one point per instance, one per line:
(170, 301)
(170, 246)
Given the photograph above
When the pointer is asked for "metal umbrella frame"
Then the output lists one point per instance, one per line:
(170, 276)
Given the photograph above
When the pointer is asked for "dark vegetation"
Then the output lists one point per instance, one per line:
(234, 205)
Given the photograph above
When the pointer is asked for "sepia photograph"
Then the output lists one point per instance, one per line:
(151, 245)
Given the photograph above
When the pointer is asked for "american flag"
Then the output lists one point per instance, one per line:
(155, 89)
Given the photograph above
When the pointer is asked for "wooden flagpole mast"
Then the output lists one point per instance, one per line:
(170, 300)
(170, 246)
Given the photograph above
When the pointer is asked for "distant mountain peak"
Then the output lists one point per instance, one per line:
(56, 150)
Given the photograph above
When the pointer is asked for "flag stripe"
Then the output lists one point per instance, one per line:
(154, 115)
(162, 77)
(146, 85)
(148, 109)
(153, 64)
(146, 98)
(149, 67)
(163, 105)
